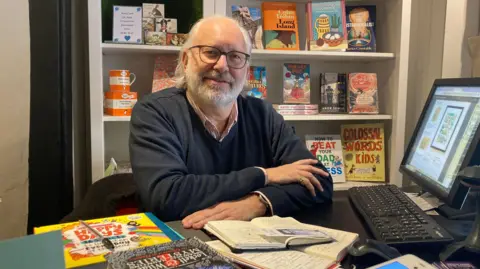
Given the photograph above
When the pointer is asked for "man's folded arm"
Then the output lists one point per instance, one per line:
(164, 184)
(288, 148)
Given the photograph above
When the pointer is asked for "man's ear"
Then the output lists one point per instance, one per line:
(184, 59)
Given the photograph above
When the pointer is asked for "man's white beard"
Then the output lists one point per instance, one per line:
(209, 95)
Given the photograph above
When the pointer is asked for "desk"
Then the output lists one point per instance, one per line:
(339, 215)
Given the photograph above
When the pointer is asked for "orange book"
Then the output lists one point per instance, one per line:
(280, 26)
(119, 103)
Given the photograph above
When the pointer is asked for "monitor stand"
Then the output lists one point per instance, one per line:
(466, 213)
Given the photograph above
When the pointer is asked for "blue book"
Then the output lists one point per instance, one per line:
(361, 28)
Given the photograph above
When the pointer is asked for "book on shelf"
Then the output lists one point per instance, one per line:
(257, 82)
(362, 93)
(164, 72)
(153, 10)
(312, 256)
(82, 247)
(329, 151)
(295, 107)
(296, 83)
(265, 233)
(333, 92)
(167, 25)
(297, 112)
(364, 151)
(326, 25)
(251, 19)
(280, 26)
(361, 29)
(186, 253)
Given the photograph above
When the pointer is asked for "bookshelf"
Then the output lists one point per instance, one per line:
(109, 135)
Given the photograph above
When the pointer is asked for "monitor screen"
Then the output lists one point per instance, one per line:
(444, 136)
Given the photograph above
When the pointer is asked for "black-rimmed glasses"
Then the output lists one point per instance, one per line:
(211, 55)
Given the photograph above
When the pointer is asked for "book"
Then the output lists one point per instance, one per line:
(82, 248)
(257, 81)
(328, 150)
(364, 151)
(333, 92)
(326, 25)
(176, 39)
(296, 83)
(251, 19)
(312, 256)
(361, 30)
(156, 38)
(186, 253)
(265, 233)
(280, 26)
(164, 72)
(297, 111)
(362, 93)
(295, 107)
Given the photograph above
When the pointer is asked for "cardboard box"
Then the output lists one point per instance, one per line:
(119, 103)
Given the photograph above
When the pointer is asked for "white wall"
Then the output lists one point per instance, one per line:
(14, 117)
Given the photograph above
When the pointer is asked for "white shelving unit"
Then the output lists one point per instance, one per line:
(109, 135)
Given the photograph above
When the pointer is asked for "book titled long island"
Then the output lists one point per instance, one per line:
(82, 247)
(364, 151)
(187, 253)
(280, 26)
(328, 150)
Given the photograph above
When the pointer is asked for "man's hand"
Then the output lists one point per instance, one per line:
(298, 172)
(246, 208)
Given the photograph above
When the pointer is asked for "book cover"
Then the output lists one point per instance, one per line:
(328, 150)
(164, 72)
(362, 93)
(361, 32)
(364, 151)
(257, 81)
(280, 26)
(333, 92)
(156, 38)
(81, 247)
(251, 19)
(327, 25)
(296, 83)
(187, 253)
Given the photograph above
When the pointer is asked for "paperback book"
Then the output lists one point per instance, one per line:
(296, 83)
(362, 93)
(361, 31)
(280, 25)
(251, 19)
(257, 82)
(333, 92)
(328, 150)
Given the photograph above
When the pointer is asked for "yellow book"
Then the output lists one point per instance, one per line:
(364, 152)
(81, 247)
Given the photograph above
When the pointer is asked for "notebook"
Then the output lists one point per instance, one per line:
(267, 233)
(324, 255)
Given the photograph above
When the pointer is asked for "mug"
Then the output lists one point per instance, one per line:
(120, 80)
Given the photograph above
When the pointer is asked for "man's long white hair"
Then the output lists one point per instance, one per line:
(180, 76)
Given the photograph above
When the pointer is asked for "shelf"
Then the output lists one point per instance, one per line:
(299, 55)
(350, 184)
(318, 117)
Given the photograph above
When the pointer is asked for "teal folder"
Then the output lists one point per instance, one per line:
(42, 251)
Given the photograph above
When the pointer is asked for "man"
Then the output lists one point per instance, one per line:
(201, 152)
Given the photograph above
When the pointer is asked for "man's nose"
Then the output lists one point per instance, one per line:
(221, 65)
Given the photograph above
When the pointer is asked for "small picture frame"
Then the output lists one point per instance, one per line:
(176, 39)
(151, 10)
(127, 24)
(148, 24)
(166, 25)
(156, 38)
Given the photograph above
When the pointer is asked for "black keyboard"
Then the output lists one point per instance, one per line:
(393, 218)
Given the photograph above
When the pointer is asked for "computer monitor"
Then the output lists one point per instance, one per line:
(445, 139)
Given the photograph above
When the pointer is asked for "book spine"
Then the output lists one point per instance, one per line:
(296, 107)
(171, 233)
(298, 112)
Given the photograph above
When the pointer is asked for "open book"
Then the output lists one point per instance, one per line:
(267, 233)
(312, 256)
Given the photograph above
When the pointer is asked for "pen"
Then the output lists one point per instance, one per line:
(105, 241)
